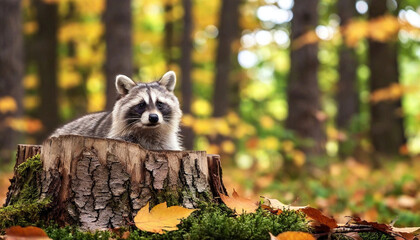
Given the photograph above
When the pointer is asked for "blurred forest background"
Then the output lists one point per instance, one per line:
(310, 102)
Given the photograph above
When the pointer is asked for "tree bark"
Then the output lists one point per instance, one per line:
(186, 67)
(46, 61)
(11, 72)
(223, 82)
(347, 94)
(169, 33)
(118, 24)
(303, 91)
(386, 129)
(228, 32)
(102, 183)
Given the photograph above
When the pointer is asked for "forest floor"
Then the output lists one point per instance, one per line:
(347, 188)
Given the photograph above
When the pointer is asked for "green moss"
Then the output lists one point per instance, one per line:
(22, 213)
(30, 166)
(25, 207)
(375, 236)
(70, 233)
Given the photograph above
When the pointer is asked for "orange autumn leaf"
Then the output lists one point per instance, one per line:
(161, 218)
(318, 216)
(293, 236)
(307, 38)
(239, 204)
(390, 93)
(18, 232)
(354, 31)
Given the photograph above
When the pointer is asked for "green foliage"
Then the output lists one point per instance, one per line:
(26, 207)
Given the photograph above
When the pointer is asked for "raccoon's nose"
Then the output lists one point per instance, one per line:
(153, 118)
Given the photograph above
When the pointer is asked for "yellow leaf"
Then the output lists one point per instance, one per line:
(201, 107)
(228, 147)
(30, 27)
(271, 143)
(7, 104)
(292, 236)
(239, 204)
(187, 120)
(161, 218)
(266, 122)
(299, 158)
(30, 81)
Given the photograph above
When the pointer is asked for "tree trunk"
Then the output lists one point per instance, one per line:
(386, 131)
(223, 82)
(169, 33)
(77, 95)
(46, 61)
(347, 93)
(11, 72)
(303, 91)
(228, 32)
(186, 67)
(102, 183)
(119, 54)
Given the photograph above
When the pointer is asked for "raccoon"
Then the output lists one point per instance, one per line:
(145, 113)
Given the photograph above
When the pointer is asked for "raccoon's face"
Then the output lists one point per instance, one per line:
(146, 105)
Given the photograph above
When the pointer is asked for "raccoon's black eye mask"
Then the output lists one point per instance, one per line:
(140, 108)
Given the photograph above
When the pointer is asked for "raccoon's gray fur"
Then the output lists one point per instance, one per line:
(146, 113)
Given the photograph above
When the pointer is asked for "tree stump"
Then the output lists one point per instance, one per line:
(101, 183)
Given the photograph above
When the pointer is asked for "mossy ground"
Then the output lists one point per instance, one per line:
(213, 221)
(26, 208)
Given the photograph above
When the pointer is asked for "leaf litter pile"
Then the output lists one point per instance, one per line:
(237, 218)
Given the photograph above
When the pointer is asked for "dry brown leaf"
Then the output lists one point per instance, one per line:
(378, 226)
(239, 204)
(292, 236)
(277, 205)
(18, 232)
(161, 217)
(317, 215)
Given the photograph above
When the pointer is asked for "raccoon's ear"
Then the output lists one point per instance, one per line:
(168, 80)
(124, 84)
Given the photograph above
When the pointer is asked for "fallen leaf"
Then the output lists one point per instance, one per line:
(406, 229)
(277, 205)
(317, 215)
(239, 204)
(292, 236)
(18, 232)
(161, 217)
(378, 226)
